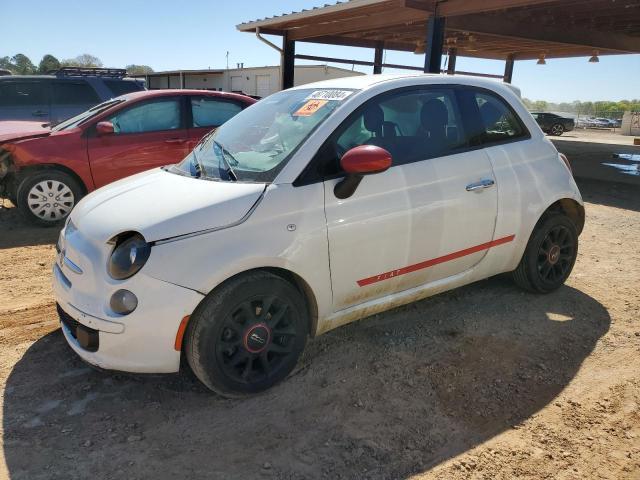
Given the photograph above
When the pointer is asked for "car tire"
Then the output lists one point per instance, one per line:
(557, 130)
(247, 335)
(47, 197)
(549, 256)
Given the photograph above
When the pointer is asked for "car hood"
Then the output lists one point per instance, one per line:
(12, 131)
(162, 205)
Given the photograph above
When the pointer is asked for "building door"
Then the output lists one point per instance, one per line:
(236, 84)
(263, 85)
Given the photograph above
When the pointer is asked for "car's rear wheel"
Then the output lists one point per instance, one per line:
(557, 130)
(247, 335)
(550, 254)
(48, 196)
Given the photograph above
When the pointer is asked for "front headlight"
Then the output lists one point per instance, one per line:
(129, 255)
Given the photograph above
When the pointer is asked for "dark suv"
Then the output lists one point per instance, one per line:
(61, 95)
(553, 124)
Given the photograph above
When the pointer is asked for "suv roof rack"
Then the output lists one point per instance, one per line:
(89, 72)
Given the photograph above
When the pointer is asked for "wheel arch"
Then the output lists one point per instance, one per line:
(26, 171)
(294, 279)
(570, 208)
(304, 288)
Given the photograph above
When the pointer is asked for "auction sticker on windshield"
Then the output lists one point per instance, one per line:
(329, 95)
(309, 108)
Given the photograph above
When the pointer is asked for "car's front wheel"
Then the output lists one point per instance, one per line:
(557, 130)
(550, 254)
(48, 196)
(247, 335)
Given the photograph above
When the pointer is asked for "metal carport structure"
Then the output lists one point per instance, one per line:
(507, 30)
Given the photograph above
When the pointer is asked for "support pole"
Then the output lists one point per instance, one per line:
(288, 61)
(451, 65)
(182, 80)
(435, 43)
(508, 69)
(377, 59)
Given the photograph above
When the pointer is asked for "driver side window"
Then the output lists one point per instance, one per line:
(412, 125)
(148, 117)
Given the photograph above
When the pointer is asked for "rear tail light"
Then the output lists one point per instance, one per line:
(566, 162)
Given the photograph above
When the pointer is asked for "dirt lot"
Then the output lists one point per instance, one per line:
(484, 382)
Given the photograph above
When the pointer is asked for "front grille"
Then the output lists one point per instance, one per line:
(87, 338)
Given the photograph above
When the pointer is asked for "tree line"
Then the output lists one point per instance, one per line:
(20, 64)
(597, 109)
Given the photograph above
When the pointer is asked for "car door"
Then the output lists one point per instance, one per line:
(432, 215)
(208, 113)
(547, 121)
(71, 97)
(25, 100)
(147, 134)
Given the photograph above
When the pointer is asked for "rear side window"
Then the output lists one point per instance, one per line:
(74, 93)
(149, 117)
(212, 112)
(23, 94)
(120, 87)
(499, 121)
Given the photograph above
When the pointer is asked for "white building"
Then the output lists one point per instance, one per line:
(257, 81)
(631, 123)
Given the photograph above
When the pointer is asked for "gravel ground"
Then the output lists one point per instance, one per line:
(483, 382)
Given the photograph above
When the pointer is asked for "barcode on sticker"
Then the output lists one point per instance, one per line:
(329, 95)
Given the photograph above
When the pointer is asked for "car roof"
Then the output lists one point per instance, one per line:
(363, 82)
(173, 92)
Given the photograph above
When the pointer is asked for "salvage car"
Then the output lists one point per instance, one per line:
(45, 171)
(553, 124)
(315, 207)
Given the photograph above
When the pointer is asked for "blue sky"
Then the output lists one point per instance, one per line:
(198, 33)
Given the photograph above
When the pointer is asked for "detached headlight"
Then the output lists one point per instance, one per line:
(129, 255)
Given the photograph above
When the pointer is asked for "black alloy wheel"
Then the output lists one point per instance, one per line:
(256, 339)
(557, 130)
(550, 254)
(556, 255)
(247, 334)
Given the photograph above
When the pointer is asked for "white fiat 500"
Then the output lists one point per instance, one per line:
(315, 207)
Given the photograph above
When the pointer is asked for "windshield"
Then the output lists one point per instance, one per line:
(258, 142)
(86, 115)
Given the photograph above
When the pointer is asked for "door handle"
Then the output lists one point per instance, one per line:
(481, 185)
(175, 140)
(39, 113)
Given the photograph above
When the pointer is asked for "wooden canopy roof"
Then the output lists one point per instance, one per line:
(498, 29)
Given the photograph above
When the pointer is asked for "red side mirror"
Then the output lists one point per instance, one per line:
(359, 161)
(366, 160)
(104, 128)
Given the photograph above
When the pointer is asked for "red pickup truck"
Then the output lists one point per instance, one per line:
(46, 170)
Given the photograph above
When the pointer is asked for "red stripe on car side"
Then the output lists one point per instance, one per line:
(434, 261)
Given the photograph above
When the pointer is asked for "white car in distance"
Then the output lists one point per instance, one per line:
(315, 207)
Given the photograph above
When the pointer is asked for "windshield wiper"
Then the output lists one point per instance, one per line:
(223, 155)
(197, 165)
